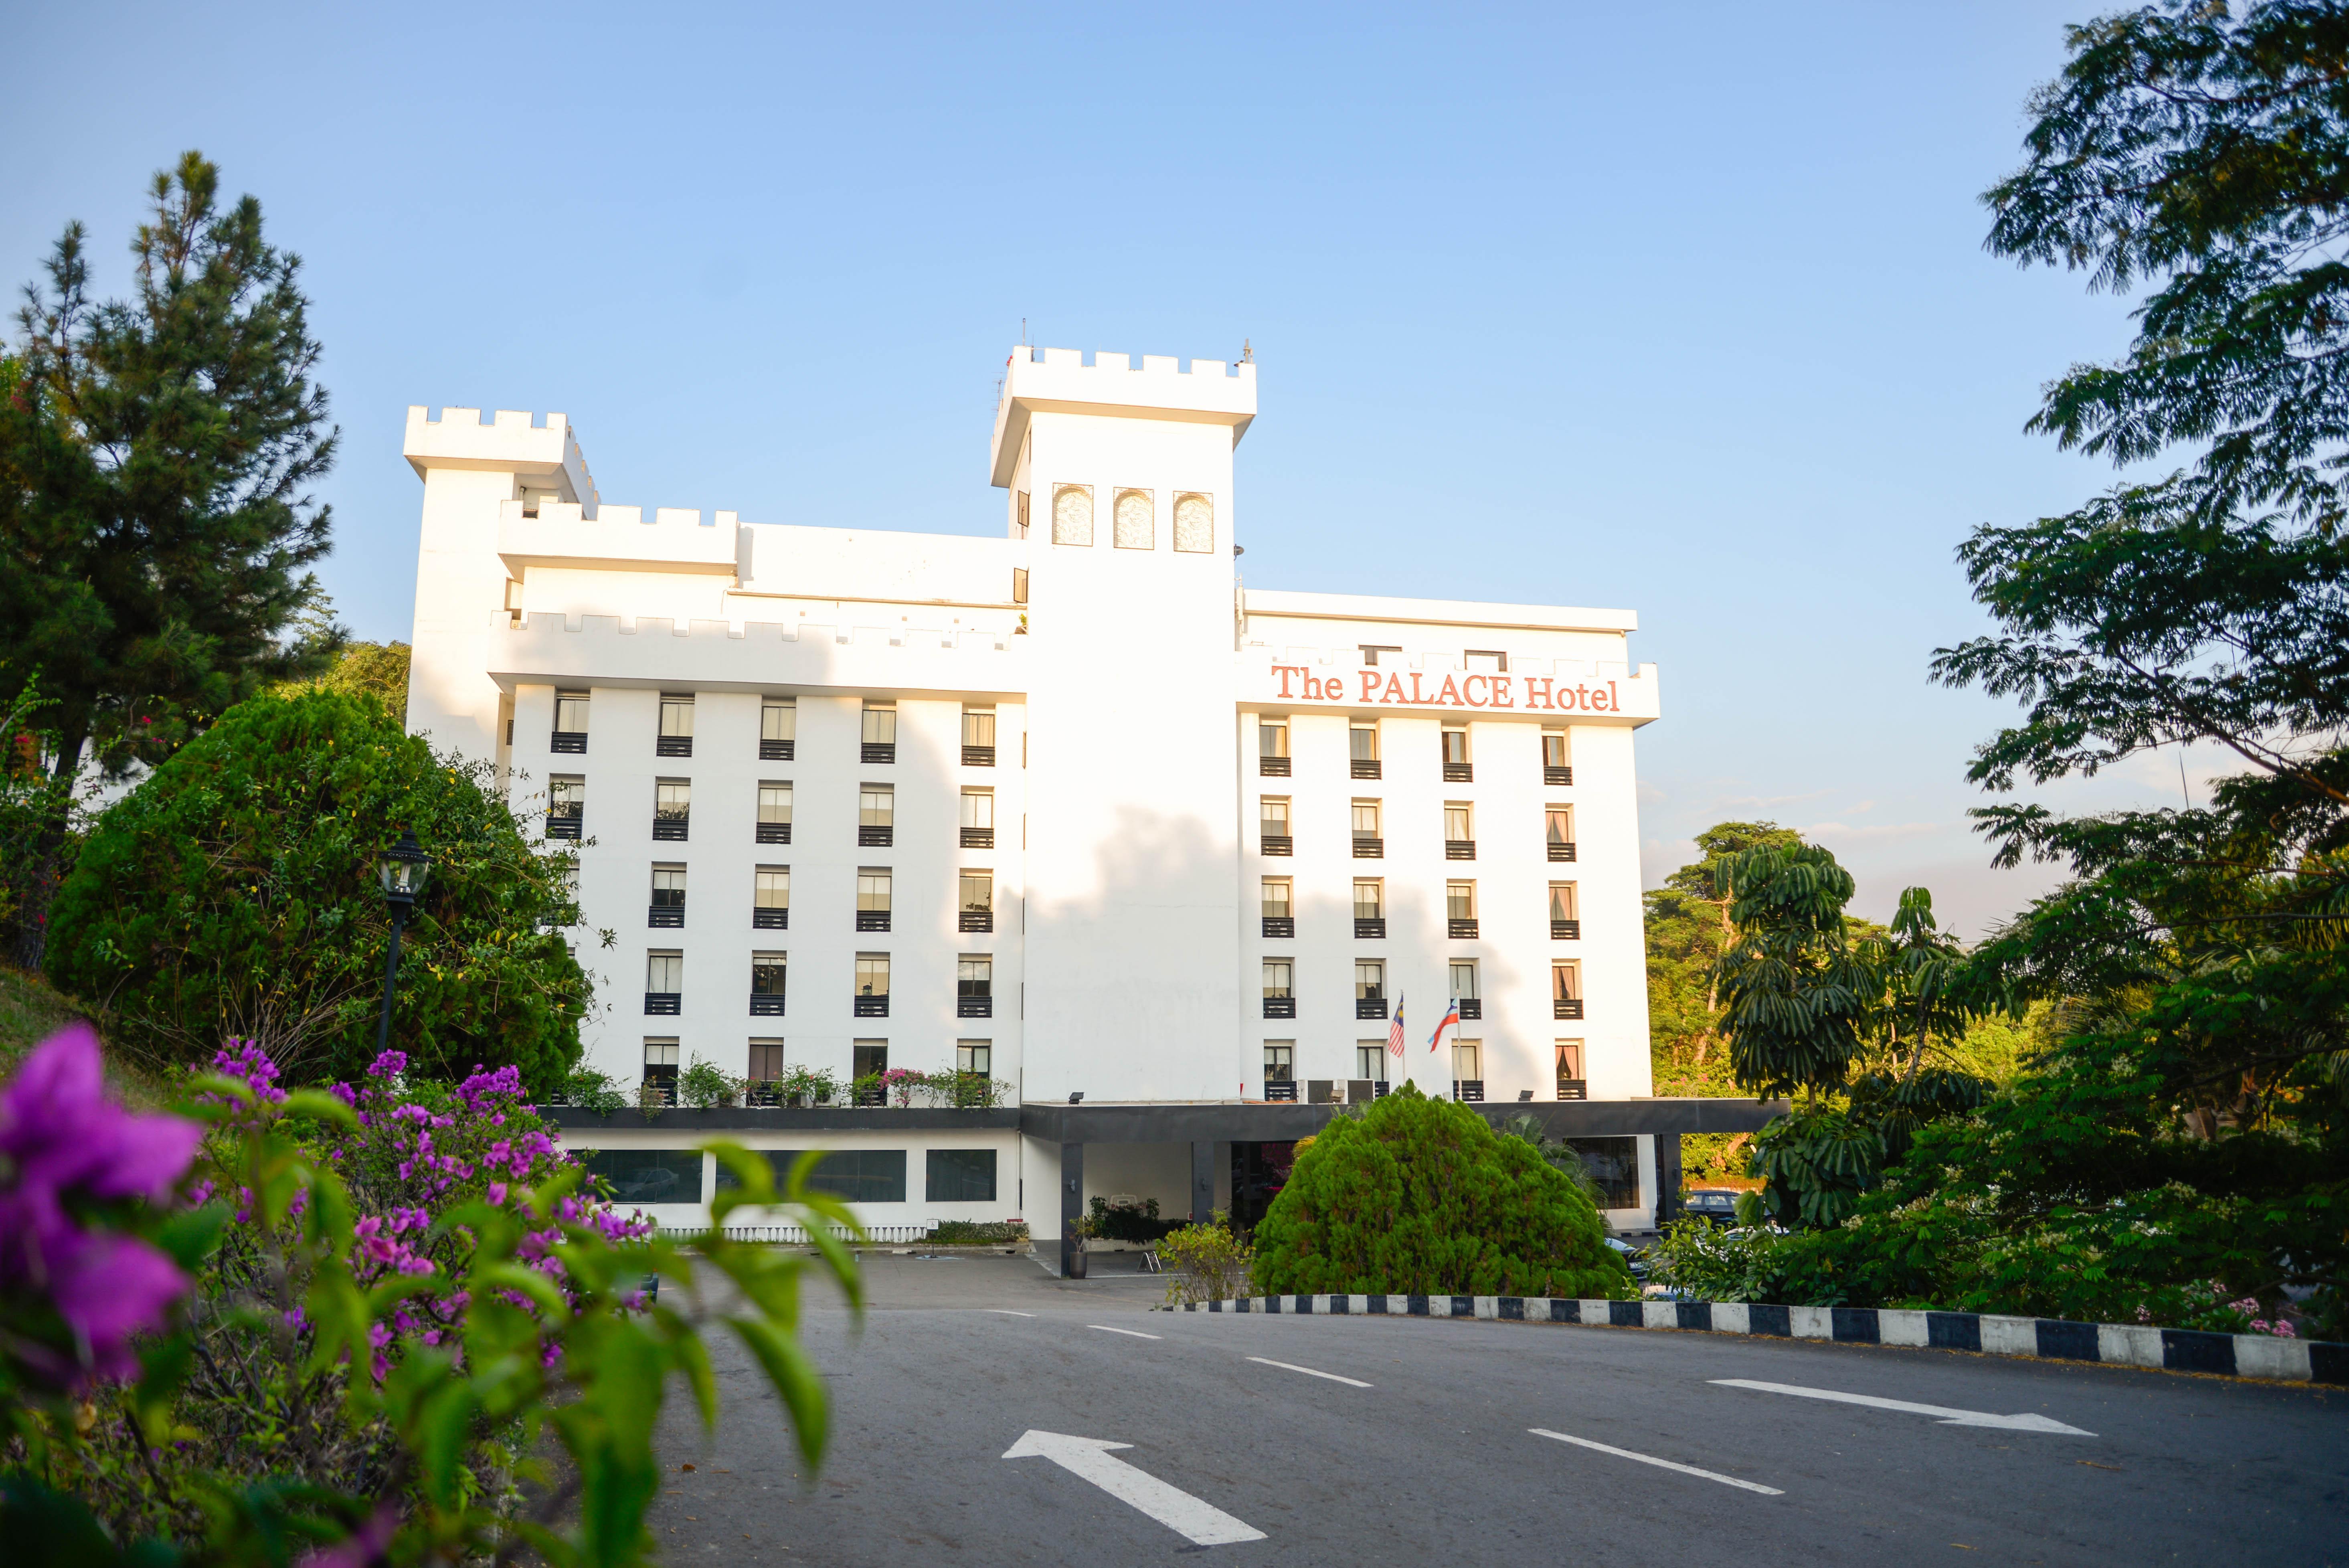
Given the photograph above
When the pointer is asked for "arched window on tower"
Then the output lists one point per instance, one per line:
(1072, 514)
(1137, 520)
(1195, 522)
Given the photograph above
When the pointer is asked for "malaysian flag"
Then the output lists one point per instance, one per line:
(1450, 1020)
(1394, 1030)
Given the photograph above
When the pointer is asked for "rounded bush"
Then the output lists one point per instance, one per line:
(1420, 1196)
(233, 894)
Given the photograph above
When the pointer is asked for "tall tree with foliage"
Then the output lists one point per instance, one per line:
(157, 455)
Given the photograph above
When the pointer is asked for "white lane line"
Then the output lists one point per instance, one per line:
(1136, 1333)
(1007, 1312)
(1659, 1464)
(1292, 1367)
(1089, 1459)
(1949, 1417)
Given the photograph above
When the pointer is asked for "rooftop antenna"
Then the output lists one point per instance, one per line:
(1247, 355)
(1023, 332)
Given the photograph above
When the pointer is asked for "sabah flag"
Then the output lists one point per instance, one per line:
(1394, 1031)
(1451, 1019)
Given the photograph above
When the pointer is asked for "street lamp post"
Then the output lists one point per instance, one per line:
(402, 869)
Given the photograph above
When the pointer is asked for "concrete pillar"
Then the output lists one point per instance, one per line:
(1072, 1209)
(1203, 1180)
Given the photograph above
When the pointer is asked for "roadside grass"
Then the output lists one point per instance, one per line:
(31, 1010)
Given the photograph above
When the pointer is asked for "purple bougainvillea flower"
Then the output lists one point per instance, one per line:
(60, 1132)
(109, 1288)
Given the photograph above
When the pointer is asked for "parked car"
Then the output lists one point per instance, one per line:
(1631, 1256)
(1717, 1205)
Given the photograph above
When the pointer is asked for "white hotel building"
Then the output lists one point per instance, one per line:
(1071, 805)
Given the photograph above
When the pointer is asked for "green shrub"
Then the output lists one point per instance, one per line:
(1207, 1262)
(977, 1233)
(1421, 1196)
(233, 894)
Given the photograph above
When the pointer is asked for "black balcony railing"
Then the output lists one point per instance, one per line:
(1278, 844)
(1573, 1089)
(1369, 1006)
(1462, 929)
(1281, 1089)
(1283, 926)
(1558, 852)
(979, 757)
(770, 919)
(664, 1004)
(873, 1006)
(1472, 1007)
(1566, 931)
(1459, 848)
(1557, 776)
(766, 1005)
(564, 826)
(666, 916)
(673, 746)
(1460, 773)
(1280, 1006)
(974, 1006)
(669, 830)
(573, 742)
(1366, 767)
(1381, 1090)
(871, 920)
(868, 1097)
(1272, 767)
(661, 1091)
(974, 920)
(978, 838)
(1370, 925)
(1566, 1007)
(875, 838)
(878, 751)
(1469, 1090)
(1368, 849)
(774, 750)
(774, 832)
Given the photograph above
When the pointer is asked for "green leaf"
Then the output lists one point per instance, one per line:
(794, 1379)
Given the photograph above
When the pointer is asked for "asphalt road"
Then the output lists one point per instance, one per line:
(1437, 1461)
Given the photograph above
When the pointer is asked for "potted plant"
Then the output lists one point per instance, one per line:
(703, 1086)
(900, 1084)
(866, 1090)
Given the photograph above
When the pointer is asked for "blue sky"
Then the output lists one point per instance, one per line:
(1683, 309)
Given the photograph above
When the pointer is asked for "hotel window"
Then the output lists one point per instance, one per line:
(675, 737)
(1565, 990)
(872, 985)
(1368, 845)
(1019, 586)
(1281, 1067)
(1019, 516)
(1072, 514)
(1564, 925)
(1559, 826)
(974, 1057)
(1135, 526)
(868, 1058)
(774, 812)
(1463, 988)
(667, 909)
(1279, 997)
(975, 898)
(880, 732)
(766, 1061)
(978, 819)
(1272, 748)
(958, 1176)
(1273, 826)
(660, 1065)
(778, 727)
(1459, 831)
(664, 983)
(570, 723)
(672, 809)
(974, 986)
(1460, 909)
(1614, 1164)
(1554, 769)
(1571, 1084)
(1486, 659)
(1370, 909)
(978, 737)
(1195, 522)
(1468, 1069)
(1370, 989)
(567, 805)
(1457, 770)
(1279, 919)
(876, 815)
(873, 893)
(1370, 1060)
(1363, 748)
(769, 974)
(771, 902)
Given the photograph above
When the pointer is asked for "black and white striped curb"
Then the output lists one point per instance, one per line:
(2125, 1344)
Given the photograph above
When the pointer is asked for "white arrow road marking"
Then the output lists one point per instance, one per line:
(1659, 1464)
(1292, 1367)
(1088, 1459)
(1136, 1333)
(1007, 1312)
(1949, 1418)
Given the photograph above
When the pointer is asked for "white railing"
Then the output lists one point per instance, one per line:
(796, 1235)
